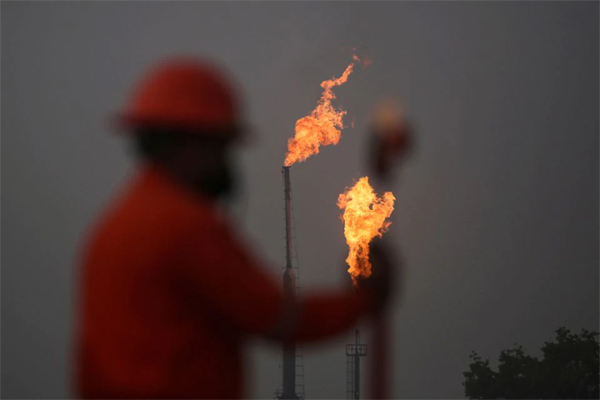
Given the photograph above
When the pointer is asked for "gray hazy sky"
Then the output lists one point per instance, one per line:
(497, 214)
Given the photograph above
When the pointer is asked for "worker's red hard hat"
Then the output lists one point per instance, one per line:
(184, 93)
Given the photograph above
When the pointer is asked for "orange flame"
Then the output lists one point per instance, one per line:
(324, 124)
(364, 218)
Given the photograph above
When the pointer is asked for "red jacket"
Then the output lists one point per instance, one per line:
(169, 294)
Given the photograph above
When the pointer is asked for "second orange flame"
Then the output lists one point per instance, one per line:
(364, 218)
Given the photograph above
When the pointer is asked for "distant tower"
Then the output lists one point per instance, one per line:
(293, 369)
(353, 353)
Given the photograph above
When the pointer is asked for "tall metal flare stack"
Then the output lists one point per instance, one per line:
(289, 290)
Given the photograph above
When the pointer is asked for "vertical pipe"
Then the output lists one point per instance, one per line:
(289, 289)
(357, 354)
(287, 189)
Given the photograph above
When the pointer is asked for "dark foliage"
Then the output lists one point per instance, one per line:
(567, 370)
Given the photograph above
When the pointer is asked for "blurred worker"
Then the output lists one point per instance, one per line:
(170, 292)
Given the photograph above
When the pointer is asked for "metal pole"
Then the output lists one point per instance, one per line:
(289, 289)
(357, 368)
(287, 189)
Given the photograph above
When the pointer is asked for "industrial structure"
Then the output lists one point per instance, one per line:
(354, 352)
(292, 366)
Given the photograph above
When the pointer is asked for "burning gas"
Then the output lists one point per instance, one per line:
(324, 124)
(364, 218)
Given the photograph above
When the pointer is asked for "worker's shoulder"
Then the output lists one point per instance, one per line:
(147, 225)
(157, 208)
(174, 208)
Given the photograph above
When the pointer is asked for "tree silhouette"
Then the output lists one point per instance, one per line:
(568, 370)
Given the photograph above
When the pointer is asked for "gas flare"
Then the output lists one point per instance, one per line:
(364, 218)
(323, 126)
